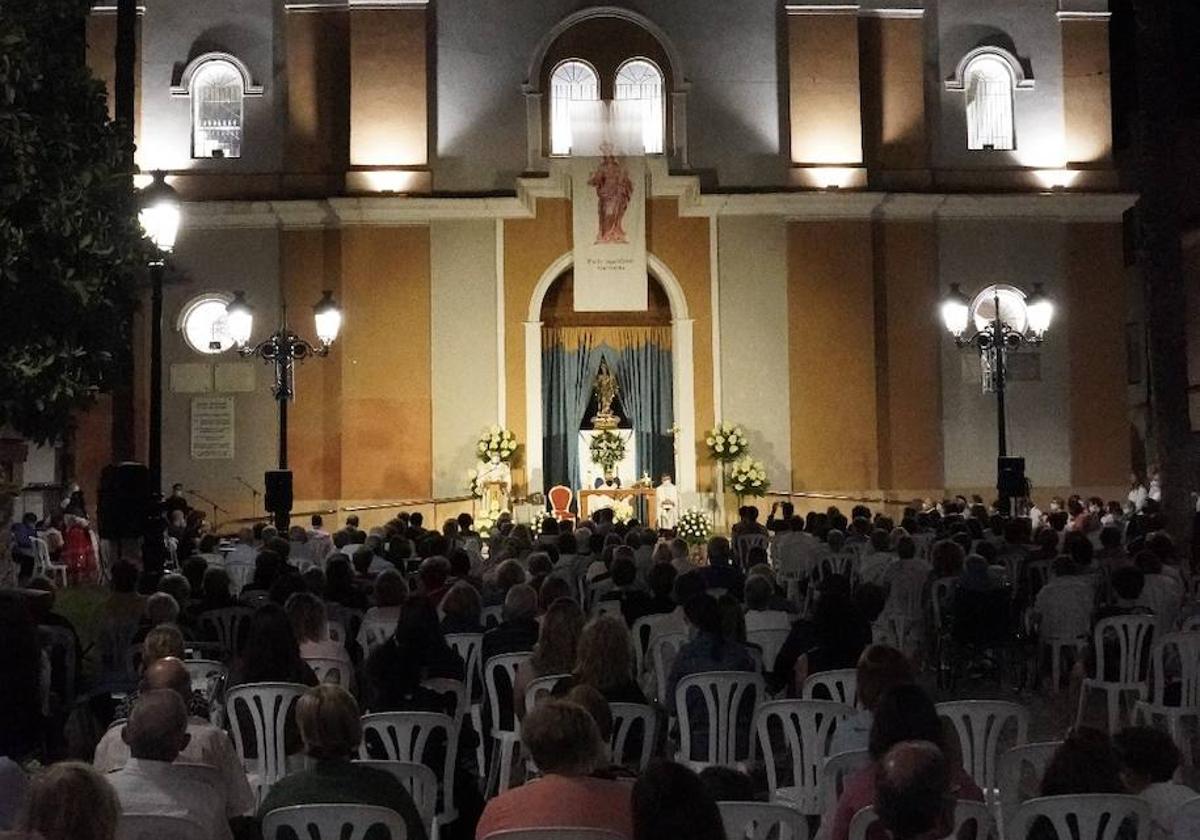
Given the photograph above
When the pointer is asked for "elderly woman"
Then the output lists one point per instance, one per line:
(310, 623)
(70, 801)
(330, 726)
(163, 641)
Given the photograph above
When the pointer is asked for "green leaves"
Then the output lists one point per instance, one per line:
(71, 250)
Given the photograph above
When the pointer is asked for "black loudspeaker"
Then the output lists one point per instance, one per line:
(1010, 477)
(125, 501)
(279, 491)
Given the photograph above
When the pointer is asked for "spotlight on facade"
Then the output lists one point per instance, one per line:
(1056, 179)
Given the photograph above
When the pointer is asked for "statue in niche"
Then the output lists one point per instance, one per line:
(605, 388)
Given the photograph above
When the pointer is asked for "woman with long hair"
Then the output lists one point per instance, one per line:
(605, 660)
(554, 652)
(272, 653)
(70, 801)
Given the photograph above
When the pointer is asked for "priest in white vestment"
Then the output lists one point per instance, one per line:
(666, 503)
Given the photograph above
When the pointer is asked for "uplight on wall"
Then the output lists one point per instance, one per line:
(1056, 179)
(387, 181)
(829, 177)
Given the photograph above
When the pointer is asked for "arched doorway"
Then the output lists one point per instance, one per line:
(682, 376)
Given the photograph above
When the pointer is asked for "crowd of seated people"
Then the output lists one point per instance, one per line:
(383, 620)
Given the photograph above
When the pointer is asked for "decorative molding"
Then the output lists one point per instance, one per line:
(533, 74)
(341, 5)
(1064, 15)
(184, 88)
(959, 80)
(111, 9)
(893, 13)
(821, 8)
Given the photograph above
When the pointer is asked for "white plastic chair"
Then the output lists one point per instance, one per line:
(1187, 819)
(158, 826)
(420, 782)
(268, 706)
(540, 687)
(207, 676)
(625, 716)
(1131, 632)
(330, 670)
(507, 746)
(643, 630)
(228, 624)
(404, 736)
(965, 811)
(979, 725)
(1058, 646)
(42, 564)
(899, 630)
(555, 833)
(836, 770)
(445, 685)
(610, 607)
(725, 694)
(841, 685)
(663, 648)
(807, 728)
(762, 820)
(770, 640)
(1010, 771)
(491, 617)
(468, 647)
(744, 543)
(1184, 649)
(375, 633)
(1088, 811)
(330, 822)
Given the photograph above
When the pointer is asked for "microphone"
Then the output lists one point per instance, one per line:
(246, 484)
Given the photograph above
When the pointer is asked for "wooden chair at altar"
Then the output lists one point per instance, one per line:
(560, 497)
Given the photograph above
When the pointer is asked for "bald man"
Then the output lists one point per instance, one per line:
(912, 792)
(207, 745)
(152, 783)
(519, 630)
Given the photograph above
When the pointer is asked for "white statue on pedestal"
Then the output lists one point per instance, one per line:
(495, 485)
(666, 504)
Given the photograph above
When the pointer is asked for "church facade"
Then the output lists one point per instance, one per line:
(813, 178)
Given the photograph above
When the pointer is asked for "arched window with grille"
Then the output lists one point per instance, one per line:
(639, 80)
(571, 81)
(218, 89)
(988, 83)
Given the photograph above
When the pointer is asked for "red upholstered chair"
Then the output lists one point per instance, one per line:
(560, 497)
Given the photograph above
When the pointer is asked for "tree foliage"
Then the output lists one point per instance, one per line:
(71, 249)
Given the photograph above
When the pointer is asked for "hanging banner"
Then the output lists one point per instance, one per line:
(608, 194)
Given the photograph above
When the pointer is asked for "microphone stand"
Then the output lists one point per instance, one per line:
(210, 502)
(253, 492)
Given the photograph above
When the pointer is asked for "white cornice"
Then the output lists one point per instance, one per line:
(797, 206)
(324, 5)
(1066, 15)
(821, 8)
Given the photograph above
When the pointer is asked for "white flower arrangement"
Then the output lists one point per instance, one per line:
(496, 445)
(486, 521)
(622, 510)
(727, 442)
(748, 477)
(608, 450)
(694, 526)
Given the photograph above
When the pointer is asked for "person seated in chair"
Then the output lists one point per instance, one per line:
(331, 728)
(912, 796)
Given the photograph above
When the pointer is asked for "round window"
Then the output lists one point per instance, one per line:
(1012, 307)
(204, 325)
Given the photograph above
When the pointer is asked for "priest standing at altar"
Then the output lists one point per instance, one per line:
(666, 502)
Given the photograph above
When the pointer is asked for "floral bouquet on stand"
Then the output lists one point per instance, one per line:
(622, 510)
(726, 442)
(486, 521)
(694, 527)
(608, 450)
(748, 477)
(496, 445)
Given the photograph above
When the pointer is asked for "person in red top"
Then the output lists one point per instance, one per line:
(565, 744)
(904, 713)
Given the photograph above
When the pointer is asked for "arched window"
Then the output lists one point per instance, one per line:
(641, 81)
(571, 81)
(988, 82)
(217, 92)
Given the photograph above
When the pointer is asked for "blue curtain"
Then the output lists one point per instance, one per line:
(640, 358)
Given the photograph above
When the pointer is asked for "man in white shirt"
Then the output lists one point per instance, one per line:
(1149, 759)
(207, 744)
(759, 615)
(1161, 593)
(151, 783)
(1064, 605)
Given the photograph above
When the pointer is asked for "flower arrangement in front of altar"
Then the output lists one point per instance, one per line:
(496, 445)
(622, 510)
(726, 442)
(608, 450)
(694, 526)
(748, 477)
(486, 521)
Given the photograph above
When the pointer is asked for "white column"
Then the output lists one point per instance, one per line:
(501, 370)
(533, 131)
(533, 406)
(685, 404)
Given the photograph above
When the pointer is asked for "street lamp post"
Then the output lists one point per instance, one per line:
(1030, 319)
(159, 217)
(283, 349)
